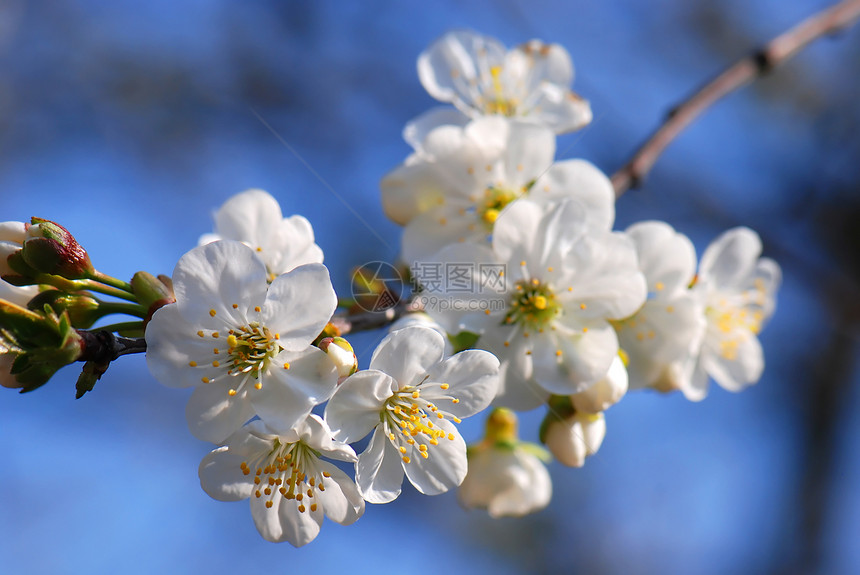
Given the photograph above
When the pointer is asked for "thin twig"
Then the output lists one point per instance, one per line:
(755, 65)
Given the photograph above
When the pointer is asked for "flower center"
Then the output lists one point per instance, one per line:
(407, 419)
(251, 348)
(289, 470)
(495, 200)
(249, 351)
(733, 322)
(495, 102)
(533, 305)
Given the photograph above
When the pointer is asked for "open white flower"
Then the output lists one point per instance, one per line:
(244, 344)
(547, 316)
(289, 485)
(461, 178)
(480, 77)
(254, 218)
(507, 477)
(738, 289)
(662, 340)
(411, 397)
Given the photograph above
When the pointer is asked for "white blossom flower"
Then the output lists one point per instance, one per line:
(662, 340)
(480, 77)
(575, 437)
(738, 289)
(507, 477)
(411, 397)
(461, 178)
(289, 485)
(244, 345)
(547, 316)
(606, 392)
(254, 218)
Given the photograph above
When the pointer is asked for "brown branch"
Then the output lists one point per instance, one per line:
(755, 65)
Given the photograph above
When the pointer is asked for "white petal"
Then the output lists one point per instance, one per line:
(251, 217)
(222, 478)
(666, 258)
(287, 396)
(582, 181)
(735, 371)
(730, 258)
(560, 109)
(530, 488)
(213, 415)
(341, 501)
(585, 358)
(416, 130)
(215, 276)
(14, 232)
(171, 343)
(473, 377)
(444, 467)
(379, 473)
(605, 393)
(436, 228)
(299, 305)
(407, 354)
(608, 281)
(529, 152)
(353, 411)
(413, 188)
(517, 388)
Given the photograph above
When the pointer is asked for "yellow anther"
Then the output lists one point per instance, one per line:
(455, 400)
(507, 343)
(406, 459)
(216, 351)
(204, 379)
(212, 312)
(451, 435)
(424, 454)
(415, 395)
(669, 309)
(423, 448)
(216, 363)
(231, 392)
(286, 365)
(558, 353)
(582, 306)
(258, 385)
(257, 308)
(267, 490)
(444, 386)
(523, 263)
(216, 335)
(535, 282)
(200, 333)
(549, 269)
(539, 301)
(192, 364)
(301, 508)
(402, 449)
(659, 286)
(585, 330)
(235, 306)
(313, 506)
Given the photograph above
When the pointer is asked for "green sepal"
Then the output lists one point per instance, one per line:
(463, 340)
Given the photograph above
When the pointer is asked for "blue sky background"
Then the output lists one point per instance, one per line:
(129, 123)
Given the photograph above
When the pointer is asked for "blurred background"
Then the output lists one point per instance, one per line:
(129, 123)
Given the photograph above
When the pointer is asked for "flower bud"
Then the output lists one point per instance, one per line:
(83, 310)
(36, 344)
(574, 438)
(50, 248)
(507, 477)
(151, 292)
(605, 393)
(340, 352)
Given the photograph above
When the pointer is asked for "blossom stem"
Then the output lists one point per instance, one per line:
(122, 326)
(753, 66)
(111, 281)
(107, 308)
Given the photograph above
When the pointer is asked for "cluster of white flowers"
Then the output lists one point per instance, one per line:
(574, 311)
(529, 299)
